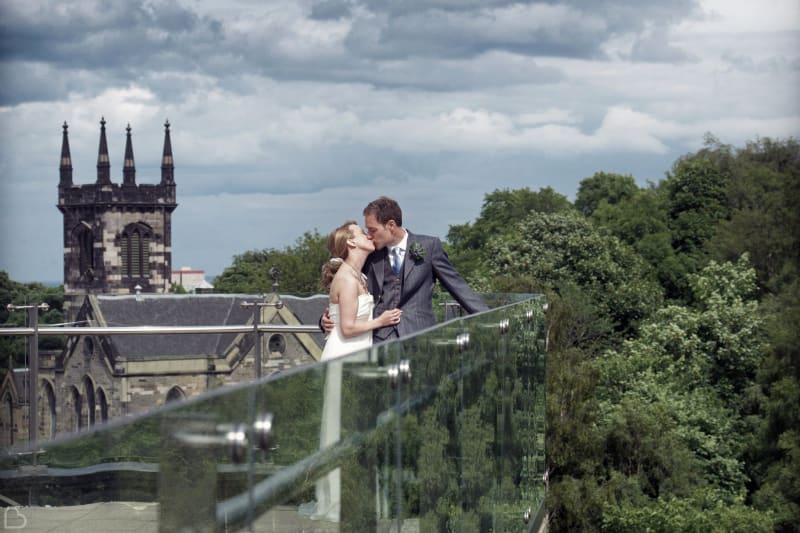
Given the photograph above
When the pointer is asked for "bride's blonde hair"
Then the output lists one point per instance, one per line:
(337, 248)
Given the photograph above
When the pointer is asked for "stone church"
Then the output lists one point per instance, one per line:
(117, 267)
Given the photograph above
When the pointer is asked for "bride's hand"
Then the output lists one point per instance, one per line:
(390, 317)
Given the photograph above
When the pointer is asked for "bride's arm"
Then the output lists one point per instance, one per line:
(347, 292)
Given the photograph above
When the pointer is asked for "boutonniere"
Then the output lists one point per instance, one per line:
(417, 252)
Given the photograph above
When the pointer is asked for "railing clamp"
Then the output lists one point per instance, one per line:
(405, 370)
(237, 440)
(504, 325)
(262, 428)
(399, 373)
(462, 341)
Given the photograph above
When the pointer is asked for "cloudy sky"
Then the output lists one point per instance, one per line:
(289, 116)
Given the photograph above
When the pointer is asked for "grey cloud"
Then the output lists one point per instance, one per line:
(22, 82)
(308, 171)
(465, 34)
(120, 38)
(425, 74)
(454, 28)
(655, 47)
(331, 9)
(747, 63)
(94, 33)
(124, 42)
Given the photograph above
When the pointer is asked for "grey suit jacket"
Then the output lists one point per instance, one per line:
(419, 276)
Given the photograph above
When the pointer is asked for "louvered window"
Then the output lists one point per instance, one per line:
(135, 251)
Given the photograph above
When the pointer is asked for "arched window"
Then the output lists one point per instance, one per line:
(102, 402)
(88, 346)
(175, 394)
(50, 413)
(77, 404)
(277, 344)
(10, 404)
(88, 386)
(135, 251)
(84, 241)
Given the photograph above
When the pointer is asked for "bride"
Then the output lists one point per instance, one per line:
(350, 304)
(350, 308)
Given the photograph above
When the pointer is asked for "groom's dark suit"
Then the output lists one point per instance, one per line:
(412, 289)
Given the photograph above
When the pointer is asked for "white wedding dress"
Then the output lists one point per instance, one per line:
(328, 490)
(337, 344)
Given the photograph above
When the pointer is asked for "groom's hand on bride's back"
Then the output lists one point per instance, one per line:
(325, 322)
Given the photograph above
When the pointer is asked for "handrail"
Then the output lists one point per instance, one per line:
(157, 330)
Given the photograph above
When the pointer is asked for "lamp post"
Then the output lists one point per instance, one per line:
(276, 273)
(33, 366)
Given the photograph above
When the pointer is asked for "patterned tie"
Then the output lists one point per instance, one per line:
(396, 260)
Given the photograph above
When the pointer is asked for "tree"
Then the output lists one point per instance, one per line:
(12, 292)
(775, 450)
(640, 220)
(500, 212)
(684, 382)
(562, 249)
(763, 193)
(603, 187)
(696, 203)
(299, 267)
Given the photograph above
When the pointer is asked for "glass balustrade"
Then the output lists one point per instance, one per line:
(440, 431)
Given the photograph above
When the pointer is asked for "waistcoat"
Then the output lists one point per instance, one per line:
(390, 297)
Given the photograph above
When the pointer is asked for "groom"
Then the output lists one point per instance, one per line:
(402, 270)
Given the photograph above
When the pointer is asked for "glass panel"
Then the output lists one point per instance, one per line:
(469, 457)
(443, 430)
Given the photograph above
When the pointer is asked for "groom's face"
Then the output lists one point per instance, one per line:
(380, 234)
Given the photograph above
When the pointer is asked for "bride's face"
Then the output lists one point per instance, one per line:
(360, 238)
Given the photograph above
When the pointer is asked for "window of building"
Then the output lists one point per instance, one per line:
(135, 251)
(76, 400)
(102, 402)
(88, 346)
(90, 403)
(10, 405)
(277, 344)
(85, 241)
(175, 394)
(51, 410)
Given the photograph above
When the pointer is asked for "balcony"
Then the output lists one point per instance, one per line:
(439, 431)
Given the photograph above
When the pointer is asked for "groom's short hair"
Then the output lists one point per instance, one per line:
(385, 209)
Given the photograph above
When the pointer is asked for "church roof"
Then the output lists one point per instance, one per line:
(15, 385)
(190, 310)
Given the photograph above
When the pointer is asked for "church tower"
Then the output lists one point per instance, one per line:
(117, 237)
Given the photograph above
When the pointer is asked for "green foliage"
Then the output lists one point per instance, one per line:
(177, 288)
(564, 248)
(763, 194)
(696, 202)
(699, 513)
(603, 188)
(12, 292)
(776, 451)
(673, 411)
(501, 211)
(299, 266)
(640, 220)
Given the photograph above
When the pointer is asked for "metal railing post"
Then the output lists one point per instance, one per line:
(275, 272)
(33, 367)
